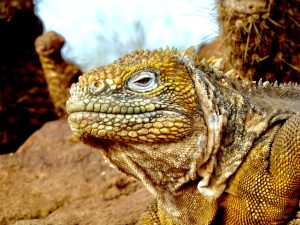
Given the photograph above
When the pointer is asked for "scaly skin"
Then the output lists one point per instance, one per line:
(209, 149)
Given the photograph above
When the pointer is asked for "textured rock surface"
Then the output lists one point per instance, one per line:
(52, 179)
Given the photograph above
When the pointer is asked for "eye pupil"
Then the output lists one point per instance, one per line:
(144, 80)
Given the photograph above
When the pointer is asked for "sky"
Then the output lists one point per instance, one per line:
(97, 32)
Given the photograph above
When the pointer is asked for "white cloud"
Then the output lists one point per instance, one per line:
(98, 32)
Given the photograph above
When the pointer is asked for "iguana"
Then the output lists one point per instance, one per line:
(210, 150)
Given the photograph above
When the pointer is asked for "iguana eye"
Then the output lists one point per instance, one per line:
(143, 81)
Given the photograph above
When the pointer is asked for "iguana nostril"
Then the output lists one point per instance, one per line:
(96, 87)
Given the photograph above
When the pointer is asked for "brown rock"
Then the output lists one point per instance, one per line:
(52, 179)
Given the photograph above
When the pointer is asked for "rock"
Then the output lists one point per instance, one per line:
(53, 179)
(58, 73)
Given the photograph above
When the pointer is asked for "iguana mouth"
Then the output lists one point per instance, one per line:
(110, 107)
(133, 125)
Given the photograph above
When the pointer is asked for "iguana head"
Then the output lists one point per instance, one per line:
(143, 112)
(144, 97)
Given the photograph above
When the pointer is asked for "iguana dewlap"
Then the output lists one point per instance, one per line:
(209, 149)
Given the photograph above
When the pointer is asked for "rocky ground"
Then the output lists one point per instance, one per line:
(53, 179)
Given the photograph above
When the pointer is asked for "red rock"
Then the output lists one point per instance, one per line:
(53, 179)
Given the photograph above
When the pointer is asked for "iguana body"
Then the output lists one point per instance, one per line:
(210, 150)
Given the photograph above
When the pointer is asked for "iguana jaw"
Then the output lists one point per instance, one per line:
(152, 162)
(168, 170)
(164, 168)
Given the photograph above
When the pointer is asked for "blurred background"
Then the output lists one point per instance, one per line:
(98, 32)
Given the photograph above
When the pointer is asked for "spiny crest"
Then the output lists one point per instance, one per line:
(275, 84)
(271, 95)
(215, 68)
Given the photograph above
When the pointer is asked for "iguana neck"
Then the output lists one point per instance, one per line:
(234, 123)
(171, 180)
